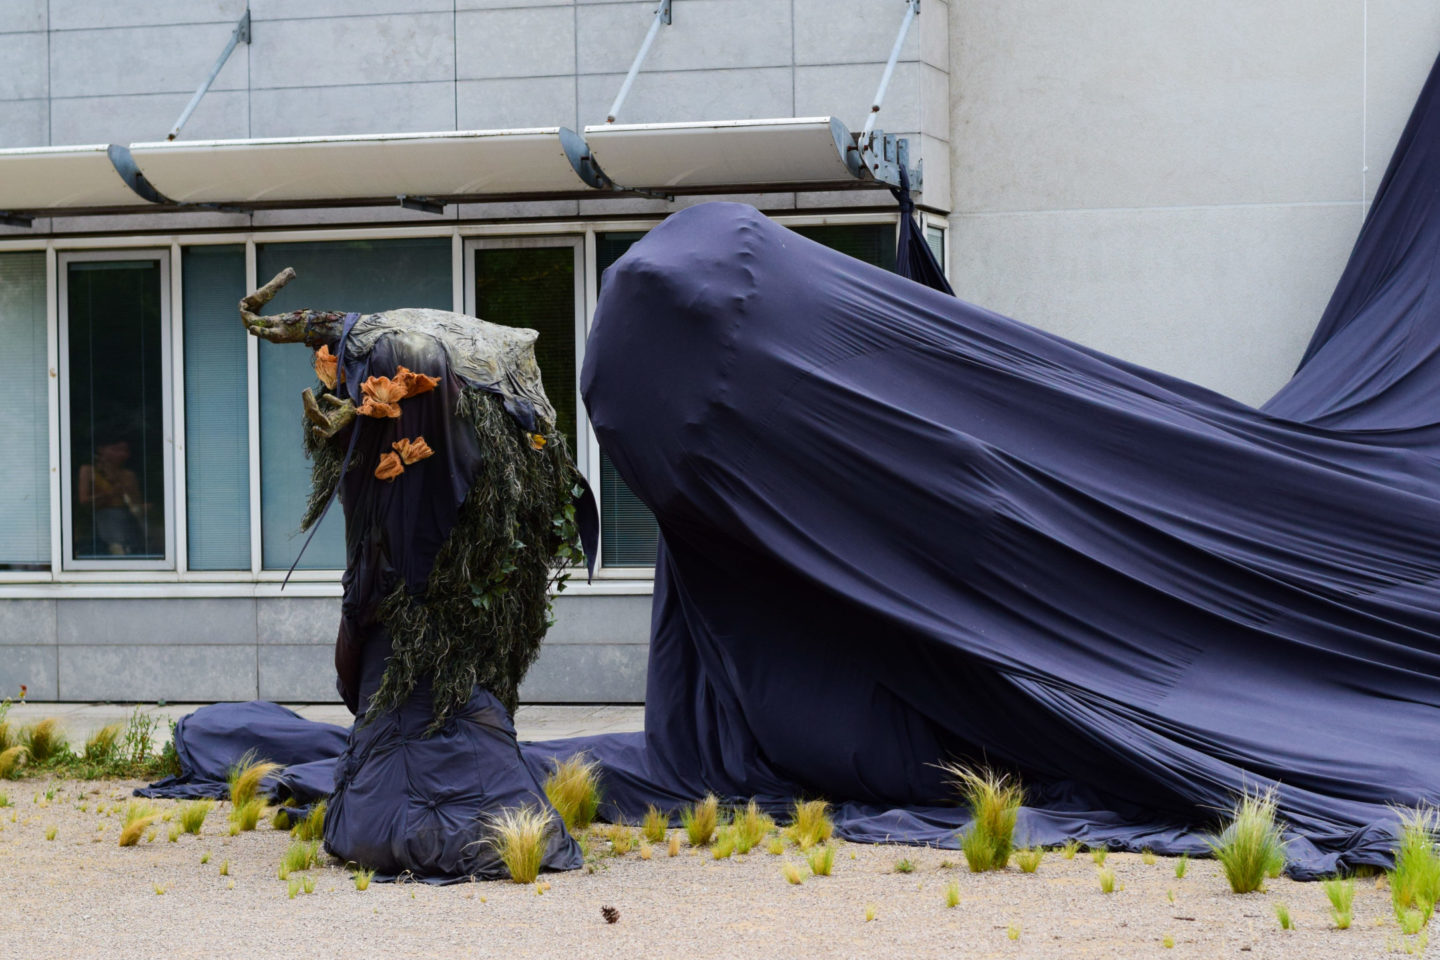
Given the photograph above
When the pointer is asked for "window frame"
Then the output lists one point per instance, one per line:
(576, 243)
(176, 580)
(67, 560)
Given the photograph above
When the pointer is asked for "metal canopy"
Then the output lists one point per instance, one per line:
(46, 180)
(297, 170)
(739, 156)
(429, 170)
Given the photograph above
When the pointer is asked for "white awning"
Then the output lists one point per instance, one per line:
(53, 179)
(739, 156)
(467, 163)
(743, 155)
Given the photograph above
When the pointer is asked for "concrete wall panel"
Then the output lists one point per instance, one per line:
(332, 111)
(26, 622)
(705, 34)
(138, 60)
(23, 66)
(221, 115)
(90, 15)
(157, 672)
(32, 665)
(1222, 296)
(412, 48)
(121, 622)
(517, 42)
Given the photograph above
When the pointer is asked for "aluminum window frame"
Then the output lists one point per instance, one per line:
(67, 560)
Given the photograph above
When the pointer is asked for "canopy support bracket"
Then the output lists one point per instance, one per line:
(423, 204)
(662, 17)
(241, 34)
(577, 151)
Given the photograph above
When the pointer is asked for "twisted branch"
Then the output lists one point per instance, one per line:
(311, 327)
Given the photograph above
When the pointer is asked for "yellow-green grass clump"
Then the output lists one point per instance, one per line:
(822, 860)
(573, 789)
(1106, 877)
(299, 856)
(245, 778)
(810, 823)
(952, 894)
(1415, 879)
(1098, 854)
(100, 748)
(700, 820)
(362, 878)
(10, 760)
(993, 799)
(247, 815)
(45, 740)
(519, 837)
(1029, 859)
(655, 824)
(1341, 893)
(792, 873)
(1251, 847)
(751, 825)
(313, 826)
(193, 814)
(138, 817)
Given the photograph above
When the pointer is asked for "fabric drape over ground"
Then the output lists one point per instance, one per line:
(899, 529)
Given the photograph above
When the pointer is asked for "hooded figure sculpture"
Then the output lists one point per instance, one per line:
(460, 503)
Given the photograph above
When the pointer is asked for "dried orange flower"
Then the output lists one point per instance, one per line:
(415, 383)
(537, 442)
(389, 467)
(382, 397)
(412, 451)
(326, 367)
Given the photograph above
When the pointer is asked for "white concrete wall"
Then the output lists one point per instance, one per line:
(1178, 184)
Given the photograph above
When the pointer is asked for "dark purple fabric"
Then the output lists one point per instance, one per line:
(913, 257)
(898, 528)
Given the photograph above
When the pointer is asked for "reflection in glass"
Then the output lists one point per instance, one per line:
(115, 368)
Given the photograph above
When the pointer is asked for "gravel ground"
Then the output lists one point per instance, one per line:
(82, 895)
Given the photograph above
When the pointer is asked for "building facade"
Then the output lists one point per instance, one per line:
(1175, 184)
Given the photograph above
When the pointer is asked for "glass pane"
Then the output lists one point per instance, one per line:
(365, 276)
(872, 242)
(116, 387)
(534, 287)
(935, 238)
(217, 410)
(24, 420)
(628, 530)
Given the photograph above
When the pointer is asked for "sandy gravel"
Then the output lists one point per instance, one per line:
(81, 895)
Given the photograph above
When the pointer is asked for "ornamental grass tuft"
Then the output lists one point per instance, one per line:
(792, 873)
(519, 837)
(751, 825)
(1282, 914)
(245, 778)
(193, 814)
(10, 760)
(1415, 879)
(138, 816)
(45, 740)
(700, 820)
(1181, 866)
(1342, 898)
(810, 823)
(247, 815)
(952, 894)
(655, 824)
(573, 789)
(1029, 859)
(100, 748)
(993, 799)
(1107, 880)
(313, 826)
(1251, 847)
(822, 860)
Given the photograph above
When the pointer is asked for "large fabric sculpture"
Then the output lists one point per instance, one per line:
(898, 529)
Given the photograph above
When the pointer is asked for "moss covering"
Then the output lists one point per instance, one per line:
(486, 604)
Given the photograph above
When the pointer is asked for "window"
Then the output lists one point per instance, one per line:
(364, 276)
(935, 239)
(25, 468)
(115, 410)
(628, 532)
(217, 410)
(535, 284)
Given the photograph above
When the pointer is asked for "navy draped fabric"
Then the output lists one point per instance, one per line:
(898, 529)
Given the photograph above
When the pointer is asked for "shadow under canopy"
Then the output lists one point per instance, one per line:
(898, 529)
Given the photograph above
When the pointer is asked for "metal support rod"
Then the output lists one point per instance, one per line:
(912, 10)
(241, 33)
(662, 16)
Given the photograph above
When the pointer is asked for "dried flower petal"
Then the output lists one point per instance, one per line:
(537, 442)
(415, 383)
(389, 467)
(412, 451)
(382, 397)
(327, 367)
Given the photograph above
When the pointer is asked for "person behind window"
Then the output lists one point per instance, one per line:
(110, 488)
